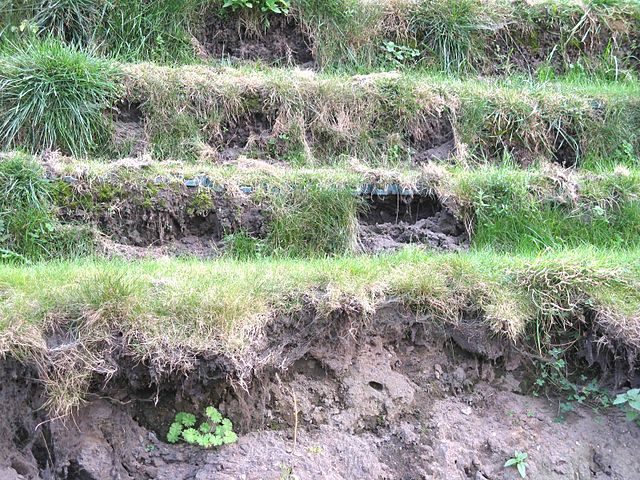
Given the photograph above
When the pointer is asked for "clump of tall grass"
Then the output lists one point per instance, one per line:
(313, 222)
(54, 96)
(135, 30)
(450, 30)
(71, 20)
(29, 229)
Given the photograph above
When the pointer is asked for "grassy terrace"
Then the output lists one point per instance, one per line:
(386, 119)
(312, 212)
(166, 312)
(497, 36)
(57, 97)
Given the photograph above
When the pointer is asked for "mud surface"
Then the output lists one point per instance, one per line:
(250, 132)
(281, 42)
(393, 221)
(396, 401)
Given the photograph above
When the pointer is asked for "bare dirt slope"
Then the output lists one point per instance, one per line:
(400, 402)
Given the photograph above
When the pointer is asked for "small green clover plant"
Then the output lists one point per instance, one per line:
(214, 432)
(519, 461)
(630, 402)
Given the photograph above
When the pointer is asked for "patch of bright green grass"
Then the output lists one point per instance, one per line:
(310, 221)
(29, 229)
(527, 210)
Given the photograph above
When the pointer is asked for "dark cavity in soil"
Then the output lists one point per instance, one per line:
(565, 150)
(130, 138)
(145, 227)
(434, 140)
(281, 42)
(389, 222)
(190, 221)
(250, 131)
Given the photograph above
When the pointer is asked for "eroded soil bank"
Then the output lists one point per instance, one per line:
(389, 398)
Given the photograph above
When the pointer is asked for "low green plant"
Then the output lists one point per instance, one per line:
(243, 246)
(287, 473)
(54, 96)
(626, 155)
(214, 432)
(26, 29)
(400, 55)
(201, 203)
(266, 6)
(630, 402)
(518, 461)
(554, 378)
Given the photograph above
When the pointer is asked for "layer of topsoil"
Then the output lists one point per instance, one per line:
(389, 398)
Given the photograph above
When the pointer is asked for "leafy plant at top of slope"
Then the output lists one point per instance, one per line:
(519, 461)
(266, 6)
(54, 96)
(630, 403)
(214, 432)
(399, 55)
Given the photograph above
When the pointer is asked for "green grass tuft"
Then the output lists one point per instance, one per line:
(139, 30)
(449, 30)
(71, 20)
(312, 221)
(29, 230)
(54, 96)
